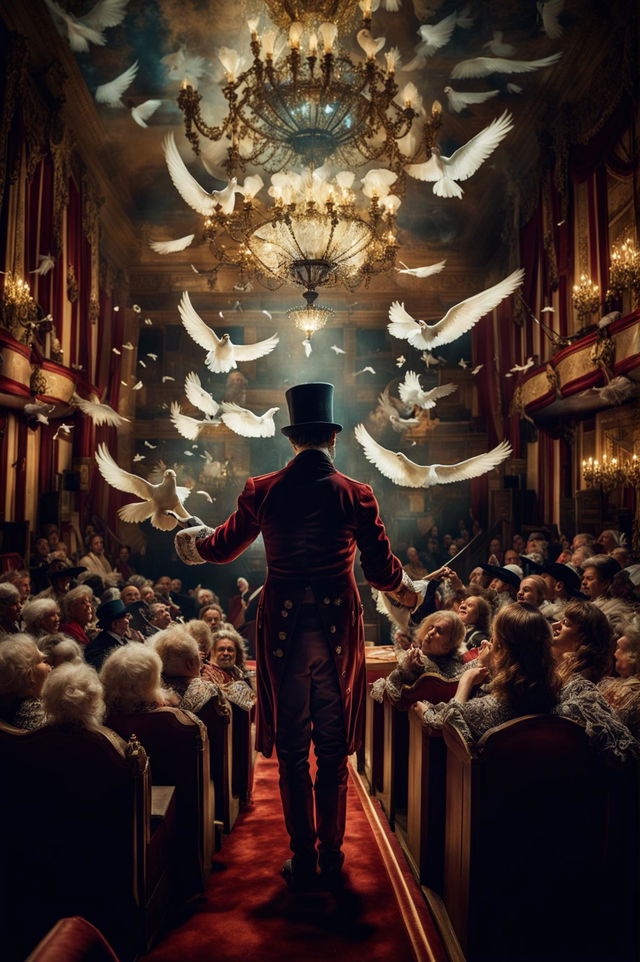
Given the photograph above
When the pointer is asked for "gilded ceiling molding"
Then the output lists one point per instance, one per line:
(14, 69)
(614, 77)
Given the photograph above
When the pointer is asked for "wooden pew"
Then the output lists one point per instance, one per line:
(78, 838)
(178, 747)
(528, 856)
(243, 755)
(220, 730)
(380, 662)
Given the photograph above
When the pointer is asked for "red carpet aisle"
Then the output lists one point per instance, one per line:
(249, 914)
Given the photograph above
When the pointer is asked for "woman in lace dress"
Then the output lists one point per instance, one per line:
(180, 657)
(439, 641)
(524, 681)
(23, 672)
(131, 680)
(623, 692)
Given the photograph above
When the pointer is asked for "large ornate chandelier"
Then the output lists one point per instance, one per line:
(313, 104)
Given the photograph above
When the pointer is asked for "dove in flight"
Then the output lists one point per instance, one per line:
(63, 432)
(184, 64)
(485, 66)
(200, 398)
(137, 386)
(128, 346)
(547, 310)
(246, 423)
(98, 412)
(371, 46)
(430, 359)
(365, 370)
(157, 499)
(498, 47)
(47, 262)
(38, 413)
(609, 318)
(458, 320)
(114, 350)
(190, 190)
(167, 377)
(413, 395)
(222, 354)
(459, 100)
(400, 360)
(407, 474)
(463, 364)
(477, 369)
(172, 246)
(336, 349)
(619, 389)
(111, 93)
(139, 457)
(81, 31)
(397, 422)
(307, 347)
(549, 13)
(187, 426)
(421, 271)
(522, 367)
(444, 172)
(436, 35)
(144, 111)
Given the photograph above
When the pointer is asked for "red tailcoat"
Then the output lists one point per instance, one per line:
(312, 519)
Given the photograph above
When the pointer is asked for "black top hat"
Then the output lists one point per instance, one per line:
(508, 573)
(59, 567)
(567, 575)
(310, 406)
(115, 608)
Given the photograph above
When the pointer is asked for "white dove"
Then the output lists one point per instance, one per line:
(200, 398)
(38, 412)
(549, 13)
(63, 432)
(400, 360)
(463, 364)
(222, 353)
(172, 246)
(436, 35)
(81, 31)
(421, 271)
(457, 100)
(144, 111)
(47, 262)
(477, 369)
(371, 46)
(98, 412)
(485, 66)
(523, 367)
(458, 320)
(609, 318)
(306, 344)
(248, 424)
(430, 359)
(397, 422)
(148, 444)
(408, 474)
(187, 426)
(413, 395)
(188, 187)
(112, 92)
(139, 457)
(365, 370)
(157, 499)
(336, 349)
(497, 47)
(617, 390)
(464, 162)
(183, 64)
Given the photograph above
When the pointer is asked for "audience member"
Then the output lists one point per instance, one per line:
(95, 560)
(60, 575)
(180, 657)
(73, 695)
(41, 617)
(10, 609)
(505, 581)
(533, 590)
(582, 642)
(623, 692)
(212, 614)
(238, 603)
(131, 680)
(475, 614)
(113, 622)
(414, 566)
(580, 555)
(227, 668)
(159, 615)
(77, 613)
(57, 649)
(129, 594)
(23, 671)
(598, 574)
(123, 563)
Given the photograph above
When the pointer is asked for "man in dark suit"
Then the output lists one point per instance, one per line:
(310, 633)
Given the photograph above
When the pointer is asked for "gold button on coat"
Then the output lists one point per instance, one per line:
(279, 653)
(338, 649)
(288, 604)
(282, 636)
(332, 629)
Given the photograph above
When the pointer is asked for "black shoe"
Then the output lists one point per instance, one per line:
(298, 879)
(331, 874)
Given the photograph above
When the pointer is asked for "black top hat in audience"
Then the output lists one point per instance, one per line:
(567, 575)
(310, 406)
(58, 568)
(115, 608)
(512, 574)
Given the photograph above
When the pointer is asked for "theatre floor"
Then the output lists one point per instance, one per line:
(248, 913)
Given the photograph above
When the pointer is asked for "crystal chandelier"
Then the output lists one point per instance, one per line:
(585, 297)
(311, 318)
(313, 235)
(314, 104)
(611, 472)
(625, 269)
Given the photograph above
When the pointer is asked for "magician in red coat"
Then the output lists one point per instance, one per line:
(310, 638)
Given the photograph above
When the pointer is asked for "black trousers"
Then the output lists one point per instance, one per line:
(310, 708)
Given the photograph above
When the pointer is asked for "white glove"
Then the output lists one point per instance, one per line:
(186, 544)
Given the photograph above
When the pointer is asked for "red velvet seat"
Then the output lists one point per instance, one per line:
(76, 809)
(73, 940)
(178, 748)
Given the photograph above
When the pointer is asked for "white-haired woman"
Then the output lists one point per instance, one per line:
(10, 609)
(131, 680)
(58, 649)
(41, 617)
(78, 608)
(180, 657)
(23, 672)
(73, 695)
(439, 649)
(623, 692)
